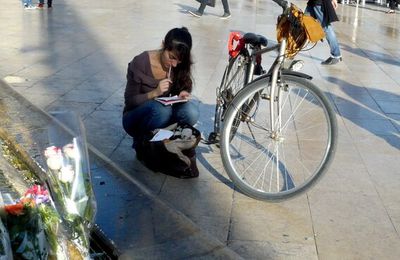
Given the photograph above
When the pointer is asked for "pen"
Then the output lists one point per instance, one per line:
(169, 76)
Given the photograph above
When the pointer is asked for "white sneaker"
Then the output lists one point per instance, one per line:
(29, 7)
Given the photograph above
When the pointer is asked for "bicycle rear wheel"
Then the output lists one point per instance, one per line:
(281, 164)
(232, 82)
(235, 78)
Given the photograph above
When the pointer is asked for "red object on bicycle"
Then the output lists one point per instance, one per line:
(235, 44)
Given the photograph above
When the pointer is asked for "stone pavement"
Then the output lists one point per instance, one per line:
(74, 57)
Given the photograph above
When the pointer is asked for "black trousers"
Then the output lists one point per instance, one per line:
(224, 4)
(393, 4)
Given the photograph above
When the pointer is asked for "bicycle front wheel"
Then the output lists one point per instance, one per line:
(281, 163)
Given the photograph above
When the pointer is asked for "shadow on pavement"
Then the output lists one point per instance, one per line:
(368, 110)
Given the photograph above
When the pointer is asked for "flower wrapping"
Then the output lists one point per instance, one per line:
(69, 178)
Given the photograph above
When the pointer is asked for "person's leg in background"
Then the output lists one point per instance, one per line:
(227, 12)
(199, 11)
(332, 41)
(28, 4)
(40, 4)
(392, 7)
(330, 36)
(49, 3)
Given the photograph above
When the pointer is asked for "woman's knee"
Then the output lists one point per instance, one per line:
(159, 116)
(148, 116)
(187, 113)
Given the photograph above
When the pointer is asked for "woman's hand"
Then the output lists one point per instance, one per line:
(163, 86)
(184, 94)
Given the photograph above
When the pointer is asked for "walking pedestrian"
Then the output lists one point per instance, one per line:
(392, 6)
(203, 4)
(324, 12)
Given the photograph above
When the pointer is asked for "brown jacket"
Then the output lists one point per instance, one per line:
(140, 81)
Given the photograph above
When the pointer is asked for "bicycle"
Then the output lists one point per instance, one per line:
(278, 132)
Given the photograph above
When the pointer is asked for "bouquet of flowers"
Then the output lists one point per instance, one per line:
(32, 224)
(69, 178)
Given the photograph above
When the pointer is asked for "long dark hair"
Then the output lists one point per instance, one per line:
(179, 41)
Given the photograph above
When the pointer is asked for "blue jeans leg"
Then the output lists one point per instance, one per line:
(330, 35)
(186, 113)
(148, 116)
(27, 2)
(152, 115)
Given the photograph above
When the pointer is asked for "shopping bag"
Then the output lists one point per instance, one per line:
(175, 155)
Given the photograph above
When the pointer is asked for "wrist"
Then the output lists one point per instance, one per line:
(152, 94)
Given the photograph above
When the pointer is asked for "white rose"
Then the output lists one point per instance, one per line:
(69, 151)
(71, 206)
(66, 174)
(54, 163)
(51, 151)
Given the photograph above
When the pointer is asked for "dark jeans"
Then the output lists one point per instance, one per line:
(224, 4)
(152, 115)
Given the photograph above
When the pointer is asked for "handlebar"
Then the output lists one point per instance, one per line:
(282, 3)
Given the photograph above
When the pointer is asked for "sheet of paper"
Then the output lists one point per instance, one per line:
(161, 135)
(169, 98)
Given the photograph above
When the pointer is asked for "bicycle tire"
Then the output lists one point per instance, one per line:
(232, 82)
(235, 78)
(255, 158)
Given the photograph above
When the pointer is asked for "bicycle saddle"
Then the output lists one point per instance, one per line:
(255, 39)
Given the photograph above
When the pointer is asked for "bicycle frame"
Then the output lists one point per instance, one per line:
(274, 71)
(251, 54)
(250, 48)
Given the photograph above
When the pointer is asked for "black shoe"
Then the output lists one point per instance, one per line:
(196, 13)
(331, 61)
(225, 16)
